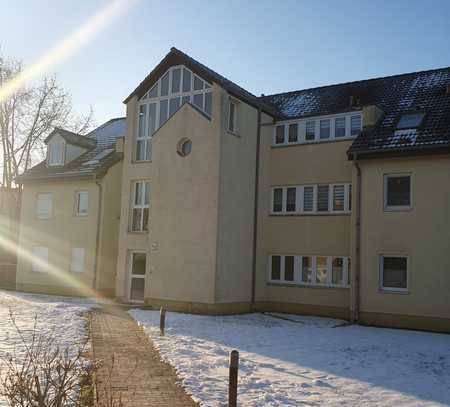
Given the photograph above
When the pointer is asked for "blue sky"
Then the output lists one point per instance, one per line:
(264, 46)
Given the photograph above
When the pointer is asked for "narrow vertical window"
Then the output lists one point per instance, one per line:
(277, 200)
(279, 134)
(289, 266)
(337, 271)
(291, 194)
(208, 103)
(82, 202)
(321, 269)
(44, 206)
(339, 127)
(350, 197)
(77, 263)
(349, 270)
(307, 269)
(293, 133)
(275, 270)
(163, 111)
(310, 134)
(355, 125)
(232, 116)
(165, 85)
(325, 129)
(55, 154)
(322, 198)
(308, 199)
(176, 80)
(186, 80)
(338, 197)
(141, 198)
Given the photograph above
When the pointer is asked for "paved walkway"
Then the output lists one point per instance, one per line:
(138, 375)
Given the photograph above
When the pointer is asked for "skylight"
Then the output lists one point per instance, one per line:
(410, 120)
(99, 156)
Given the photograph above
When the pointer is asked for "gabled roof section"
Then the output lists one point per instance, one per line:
(72, 138)
(423, 91)
(93, 163)
(177, 57)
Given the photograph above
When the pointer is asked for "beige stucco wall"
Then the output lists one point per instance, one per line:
(421, 233)
(326, 235)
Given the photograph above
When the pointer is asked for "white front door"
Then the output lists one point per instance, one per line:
(137, 276)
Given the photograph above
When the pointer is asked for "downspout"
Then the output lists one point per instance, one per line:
(97, 237)
(255, 210)
(357, 260)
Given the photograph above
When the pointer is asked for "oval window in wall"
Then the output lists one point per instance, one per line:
(184, 147)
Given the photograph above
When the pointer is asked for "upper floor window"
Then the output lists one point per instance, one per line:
(140, 206)
(55, 153)
(397, 191)
(315, 130)
(81, 203)
(410, 121)
(44, 205)
(177, 86)
(232, 115)
(312, 199)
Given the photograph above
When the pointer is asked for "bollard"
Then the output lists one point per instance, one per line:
(162, 321)
(233, 380)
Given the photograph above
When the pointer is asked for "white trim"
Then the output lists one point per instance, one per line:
(141, 206)
(393, 208)
(381, 270)
(235, 103)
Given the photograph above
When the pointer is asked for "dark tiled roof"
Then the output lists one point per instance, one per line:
(177, 57)
(72, 138)
(395, 95)
(93, 162)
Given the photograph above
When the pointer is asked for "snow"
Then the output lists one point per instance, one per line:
(293, 360)
(60, 317)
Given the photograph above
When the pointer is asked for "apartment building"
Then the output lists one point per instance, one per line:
(326, 201)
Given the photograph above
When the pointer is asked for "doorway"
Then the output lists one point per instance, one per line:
(137, 276)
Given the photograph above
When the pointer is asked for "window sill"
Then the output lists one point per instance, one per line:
(344, 213)
(393, 291)
(397, 208)
(233, 133)
(137, 232)
(303, 143)
(314, 286)
(140, 161)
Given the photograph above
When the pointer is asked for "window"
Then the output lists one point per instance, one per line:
(323, 271)
(279, 135)
(184, 147)
(293, 133)
(394, 273)
(339, 127)
(140, 205)
(55, 154)
(40, 259)
(410, 121)
(232, 116)
(325, 129)
(146, 128)
(82, 201)
(397, 192)
(355, 125)
(312, 199)
(77, 264)
(44, 206)
(310, 134)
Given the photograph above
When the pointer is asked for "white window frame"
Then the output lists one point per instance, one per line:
(141, 206)
(298, 262)
(299, 210)
(50, 146)
(393, 208)
(39, 262)
(78, 195)
(49, 215)
(381, 270)
(78, 257)
(139, 276)
(235, 103)
(301, 129)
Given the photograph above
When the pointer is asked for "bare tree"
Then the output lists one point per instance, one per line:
(28, 116)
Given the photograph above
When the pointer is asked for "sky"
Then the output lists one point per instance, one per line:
(264, 46)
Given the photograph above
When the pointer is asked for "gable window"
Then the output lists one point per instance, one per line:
(410, 121)
(325, 130)
(44, 205)
(140, 206)
(55, 153)
(394, 273)
(355, 125)
(40, 259)
(310, 134)
(397, 191)
(232, 116)
(81, 204)
(77, 263)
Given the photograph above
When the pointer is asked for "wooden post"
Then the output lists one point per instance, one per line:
(233, 380)
(162, 321)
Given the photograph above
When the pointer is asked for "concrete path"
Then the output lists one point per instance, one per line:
(132, 369)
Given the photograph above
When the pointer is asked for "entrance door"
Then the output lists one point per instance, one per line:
(137, 280)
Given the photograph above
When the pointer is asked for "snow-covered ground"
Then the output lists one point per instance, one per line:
(62, 318)
(303, 361)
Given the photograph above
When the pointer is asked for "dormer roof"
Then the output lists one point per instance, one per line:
(72, 138)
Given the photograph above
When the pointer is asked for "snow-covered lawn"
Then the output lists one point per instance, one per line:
(303, 361)
(61, 317)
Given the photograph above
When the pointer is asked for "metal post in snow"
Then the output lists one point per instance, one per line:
(162, 321)
(233, 379)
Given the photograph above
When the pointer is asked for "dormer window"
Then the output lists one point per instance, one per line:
(410, 121)
(55, 153)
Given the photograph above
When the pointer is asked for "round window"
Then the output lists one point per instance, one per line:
(184, 147)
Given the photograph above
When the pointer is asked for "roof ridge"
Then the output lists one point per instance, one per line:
(357, 81)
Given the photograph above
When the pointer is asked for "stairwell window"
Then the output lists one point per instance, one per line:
(140, 206)
(232, 116)
(397, 192)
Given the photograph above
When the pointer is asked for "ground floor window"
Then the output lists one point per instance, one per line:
(138, 265)
(328, 271)
(40, 259)
(394, 273)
